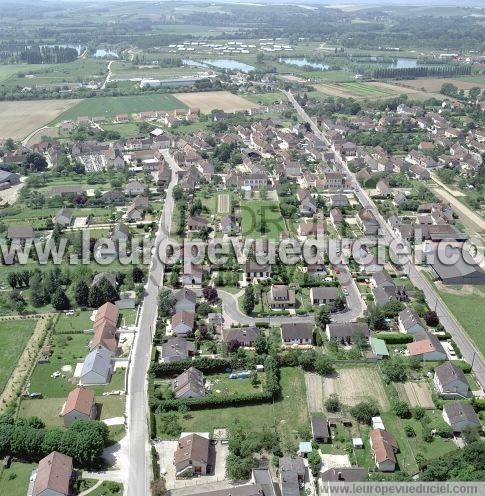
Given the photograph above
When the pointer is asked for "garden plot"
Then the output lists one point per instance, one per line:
(416, 394)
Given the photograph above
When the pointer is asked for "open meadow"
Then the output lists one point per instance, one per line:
(19, 119)
(220, 100)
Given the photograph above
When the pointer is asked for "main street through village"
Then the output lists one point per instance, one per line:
(138, 477)
(470, 352)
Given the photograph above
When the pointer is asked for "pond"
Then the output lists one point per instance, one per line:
(233, 65)
(405, 63)
(303, 61)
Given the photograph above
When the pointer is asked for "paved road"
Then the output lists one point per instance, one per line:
(137, 401)
(470, 353)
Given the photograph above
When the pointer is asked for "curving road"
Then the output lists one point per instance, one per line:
(139, 474)
(470, 352)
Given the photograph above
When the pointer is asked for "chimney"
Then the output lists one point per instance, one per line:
(339, 477)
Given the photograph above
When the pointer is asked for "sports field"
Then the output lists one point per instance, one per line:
(19, 119)
(110, 106)
(220, 100)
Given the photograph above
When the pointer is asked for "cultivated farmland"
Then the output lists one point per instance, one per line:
(220, 100)
(415, 394)
(354, 385)
(434, 84)
(111, 106)
(19, 119)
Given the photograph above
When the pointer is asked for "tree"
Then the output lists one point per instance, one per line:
(401, 409)
(376, 318)
(81, 293)
(96, 297)
(12, 279)
(392, 308)
(254, 378)
(364, 411)
(158, 487)
(249, 300)
(210, 294)
(431, 318)
(322, 317)
(324, 365)
(314, 461)
(109, 291)
(35, 162)
(261, 345)
(409, 430)
(166, 303)
(394, 369)
(38, 295)
(137, 275)
(332, 403)
(59, 300)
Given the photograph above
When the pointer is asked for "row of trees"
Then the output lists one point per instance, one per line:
(421, 71)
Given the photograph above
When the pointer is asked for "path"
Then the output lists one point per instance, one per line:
(25, 363)
(32, 134)
(138, 447)
(108, 76)
(91, 489)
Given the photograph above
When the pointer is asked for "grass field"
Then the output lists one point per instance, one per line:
(220, 100)
(469, 310)
(264, 98)
(286, 415)
(354, 90)
(434, 84)
(124, 70)
(19, 119)
(14, 481)
(110, 106)
(14, 335)
(255, 213)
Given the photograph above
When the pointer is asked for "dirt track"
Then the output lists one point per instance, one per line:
(314, 392)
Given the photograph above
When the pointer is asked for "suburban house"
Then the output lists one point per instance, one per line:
(320, 429)
(253, 270)
(20, 233)
(121, 232)
(460, 415)
(133, 213)
(196, 222)
(336, 217)
(177, 349)
(185, 300)
(344, 474)
(323, 295)
(192, 456)
(346, 331)
(410, 323)
(281, 296)
(134, 188)
(308, 206)
(292, 475)
(63, 217)
(245, 336)
(53, 476)
(367, 221)
(193, 274)
(383, 187)
(426, 347)
(79, 405)
(297, 333)
(182, 323)
(385, 448)
(104, 336)
(189, 384)
(97, 367)
(450, 381)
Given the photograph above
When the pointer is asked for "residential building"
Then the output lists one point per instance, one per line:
(367, 221)
(245, 336)
(460, 415)
(177, 349)
(450, 381)
(344, 474)
(253, 270)
(53, 476)
(320, 429)
(323, 295)
(97, 367)
(297, 333)
(63, 217)
(189, 384)
(426, 347)
(182, 323)
(385, 448)
(345, 332)
(281, 297)
(192, 456)
(185, 300)
(410, 323)
(79, 405)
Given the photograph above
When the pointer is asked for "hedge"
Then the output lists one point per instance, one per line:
(212, 401)
(465, 366)
(394, 337)
(204, 364)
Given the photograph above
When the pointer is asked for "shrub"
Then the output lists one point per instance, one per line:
(409, 430)
(394, 337)
(364, 411)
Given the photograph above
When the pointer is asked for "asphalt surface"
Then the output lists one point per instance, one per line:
(469, 351)
(139, 460)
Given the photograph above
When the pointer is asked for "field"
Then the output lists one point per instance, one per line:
(224, 203)
(123, 70)
(19, 119)
(434, 84)
(414, 93)
(264, 98)
(287, 415)
(355, 90)
(14, 335)
(14, 481)
(110, 106)
(415, 394)
(220, 100)
(354, 385)
(257, 213)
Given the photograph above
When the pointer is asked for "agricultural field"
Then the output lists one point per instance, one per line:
(220, 100)
(434, 84)
(19, 119)
(264, 98)
(415, 394)
(14, 335)
(111, 106)
(357, 90)
(354, 385)
(261, 217)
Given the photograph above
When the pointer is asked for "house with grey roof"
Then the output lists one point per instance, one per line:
(410, 323)
(8, 179)
(121, 232)
(20, 233)
(245, 336)
(297, 333)
(185, 300)
(177, 349)
(460, 415)
(450, 381)
(344, 332)
(323, 295)
(292, 475)
(189, 384)
(63, 217)
(97, 367)
(320, 429)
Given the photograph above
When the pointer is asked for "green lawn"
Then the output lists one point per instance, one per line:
(256, 214)
(78, 322)
(223, 386)
(469, 310)
(14, 481)
(264, 98)
(109, 106)
(14, 335)
(287, 415)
